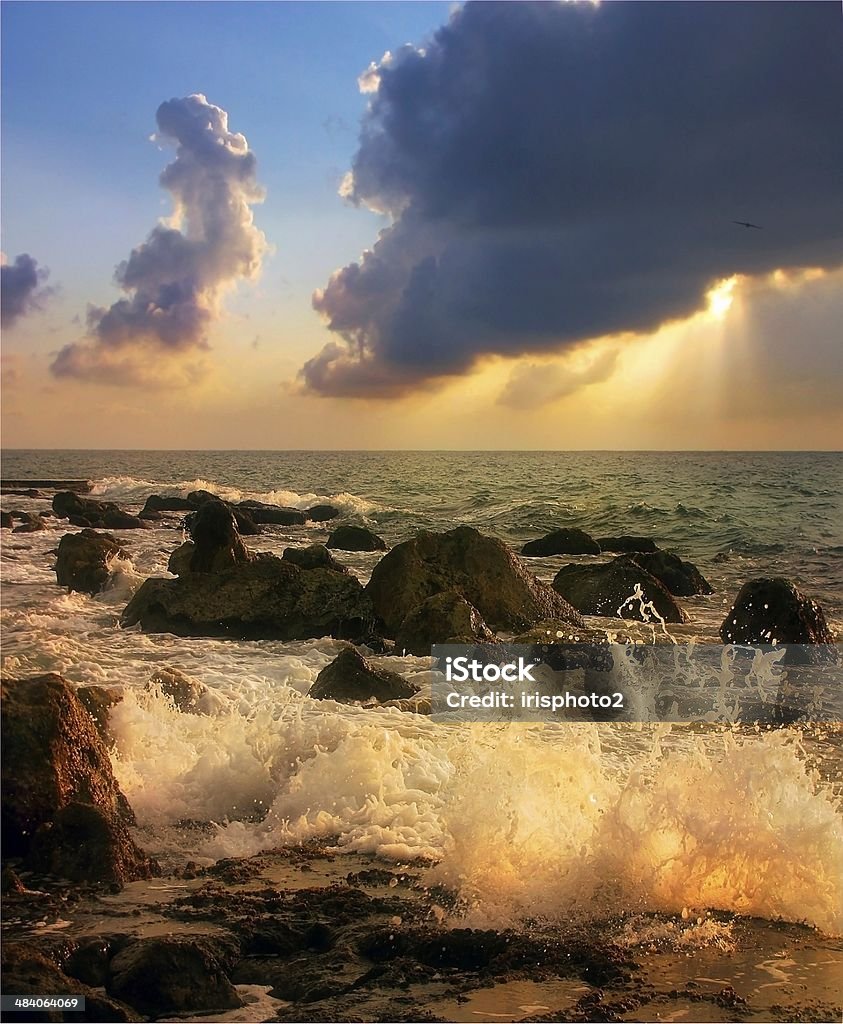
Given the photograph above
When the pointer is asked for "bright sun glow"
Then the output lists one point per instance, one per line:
(720, 297)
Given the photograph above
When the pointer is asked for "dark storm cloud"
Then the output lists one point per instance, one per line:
(20, 288)
(559, 172)
(174, 281)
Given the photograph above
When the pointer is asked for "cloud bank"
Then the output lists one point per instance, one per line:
(20, 288)
(555, 173)
(175, 280)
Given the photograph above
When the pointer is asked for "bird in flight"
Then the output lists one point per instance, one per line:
(747, 224)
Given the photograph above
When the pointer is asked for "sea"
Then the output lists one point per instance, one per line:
(518, 819)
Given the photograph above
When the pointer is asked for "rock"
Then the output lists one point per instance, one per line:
(562, 542)
(28, 972)
(6, 521)
(98, 701)
(86, 843)
(166, 975)
(10, 881)
(626, 544)
(774, 610)
(350, 677)
(445, 618)
(216, 541)
(316, 556)
(482, 570)
(167, 503)
(47, 729)
(682, 579)
(273, 514)
(179, 561)
(87, 512)
(187, 694)
(246, 525)
(31, 523)
(606, 590)
(266, 598)
(322, 513)
(355, 538)
(84, 559)
(150, 515)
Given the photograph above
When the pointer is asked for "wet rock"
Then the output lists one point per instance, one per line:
(216, 540)
(150, 515)
(10, 881)
(179, 561)
(445, 618)
(355, 538)
(31, 522)
(610, 590)
(265, 598)
(98, 701)
(6, 521)
(350, 677)
(316, 556)
(173, 975)
(482, 570)
(682, 579)
(167, 503)
(246, 525)
(774, 610)
(84, 559)
(626, 544)
(47, 729)
(28, 972)
(188, 695)
(562, 542)
(322, 513)
(87, 512)
(272, 514)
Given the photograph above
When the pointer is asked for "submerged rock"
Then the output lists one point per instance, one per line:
(445, 618)
(84, 559)
(682, 579)
(316, 556)
(773, 610)
(277, 515)
(265, 598)
(562, 542)
(609, 590)
(188, 695)
(626, 543)
(87, 512)
(31, 522)
(482, 570)
(169, 975)
(60, 796)
(355, 538)
(350, 677)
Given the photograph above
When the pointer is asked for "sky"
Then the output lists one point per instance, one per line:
(422, 225)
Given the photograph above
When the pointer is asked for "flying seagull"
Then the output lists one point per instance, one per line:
(747, 224)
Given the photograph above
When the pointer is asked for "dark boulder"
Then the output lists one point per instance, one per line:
(316, 556)
(6, 521)
(445, 618)
(322, 513)
(179, 561)
(482, 570)
(167, 975)
(47, 729)
(626, 544)
(150, 516)
(216, 540)
(84, 560)
(610, 590)
(167, 503)
(562, 542)
(266, 598)
(773, 610)
(87, 512)
(276, 515)
(355, 538)
(350, 677)
(28, 972)
(246, 525)
(682, 579)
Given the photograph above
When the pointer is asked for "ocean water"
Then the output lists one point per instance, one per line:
(520, 819)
